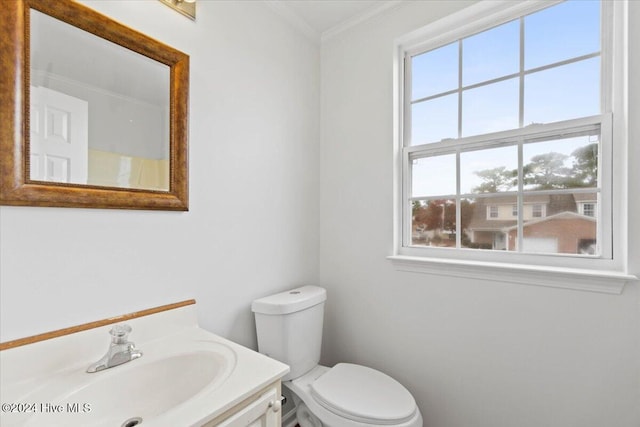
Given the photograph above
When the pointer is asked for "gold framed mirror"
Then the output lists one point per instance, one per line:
(94, 114)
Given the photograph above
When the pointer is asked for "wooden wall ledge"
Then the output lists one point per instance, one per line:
(91, 325)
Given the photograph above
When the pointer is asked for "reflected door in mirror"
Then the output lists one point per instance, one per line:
(59, 138)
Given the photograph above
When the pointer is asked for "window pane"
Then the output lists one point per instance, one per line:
(552, 224)
(434, 120)
(489, 171)
(588, 209)
(561, 163)
(561, 32)
(490, 108)
(562, 93)
(434, 176)
(491, 54)
(434, 72)
(489, 219)
(434, 223)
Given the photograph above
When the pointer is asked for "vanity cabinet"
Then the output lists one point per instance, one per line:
(263, 409)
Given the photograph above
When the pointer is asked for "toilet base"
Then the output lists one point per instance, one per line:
(300, 388)
(305, 417)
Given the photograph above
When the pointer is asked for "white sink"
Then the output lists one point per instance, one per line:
(139, 390)
(186, 377)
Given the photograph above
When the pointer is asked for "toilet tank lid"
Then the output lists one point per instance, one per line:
(290, 301)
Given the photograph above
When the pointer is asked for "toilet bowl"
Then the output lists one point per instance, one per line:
(289, 329)
(349, 395)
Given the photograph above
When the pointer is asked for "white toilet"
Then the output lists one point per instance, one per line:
(289, 328)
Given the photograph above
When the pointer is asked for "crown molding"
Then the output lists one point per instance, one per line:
(358, 19)
(293, 18)
(280, 7)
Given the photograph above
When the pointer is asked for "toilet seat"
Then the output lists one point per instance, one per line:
(363, 395)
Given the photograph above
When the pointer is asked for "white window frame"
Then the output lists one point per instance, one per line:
(604, 274)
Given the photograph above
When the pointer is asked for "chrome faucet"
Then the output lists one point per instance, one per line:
(120, 350)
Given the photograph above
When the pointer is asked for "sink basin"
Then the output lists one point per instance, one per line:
(139, 390)
(186, 377)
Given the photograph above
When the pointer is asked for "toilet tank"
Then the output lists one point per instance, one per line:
(289, 327)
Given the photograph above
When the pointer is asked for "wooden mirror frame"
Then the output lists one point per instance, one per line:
(15, 186)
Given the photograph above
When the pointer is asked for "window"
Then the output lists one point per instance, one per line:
(536, 211)
(589, 209)
(487, 123)
(505, 129)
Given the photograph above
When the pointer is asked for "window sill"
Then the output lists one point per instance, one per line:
(608, 282)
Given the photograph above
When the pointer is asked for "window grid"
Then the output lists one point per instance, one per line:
(460, 90)
(589, 209)
(524, 136)
(571, 128)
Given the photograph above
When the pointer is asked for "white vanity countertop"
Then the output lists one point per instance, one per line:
(49, 372)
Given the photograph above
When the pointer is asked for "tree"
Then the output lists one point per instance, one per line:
(547, 171)
(466, 213)
(449, 218)
(428, 215)
(441, 214)
(496, 179)
(585, 166)
(416, 206)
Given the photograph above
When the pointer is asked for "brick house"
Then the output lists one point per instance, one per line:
(558, 223)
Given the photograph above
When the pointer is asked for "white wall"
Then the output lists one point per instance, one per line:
(252, 228)
(475, 353)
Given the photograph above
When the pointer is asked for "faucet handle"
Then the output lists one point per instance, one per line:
(119, 333)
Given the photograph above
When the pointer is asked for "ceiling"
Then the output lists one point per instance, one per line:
(319, 17)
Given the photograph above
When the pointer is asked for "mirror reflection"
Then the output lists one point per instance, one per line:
(99, 113)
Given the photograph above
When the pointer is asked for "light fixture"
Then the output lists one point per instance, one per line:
(185, 7)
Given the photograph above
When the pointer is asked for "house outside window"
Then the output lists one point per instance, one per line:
(485, 130)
